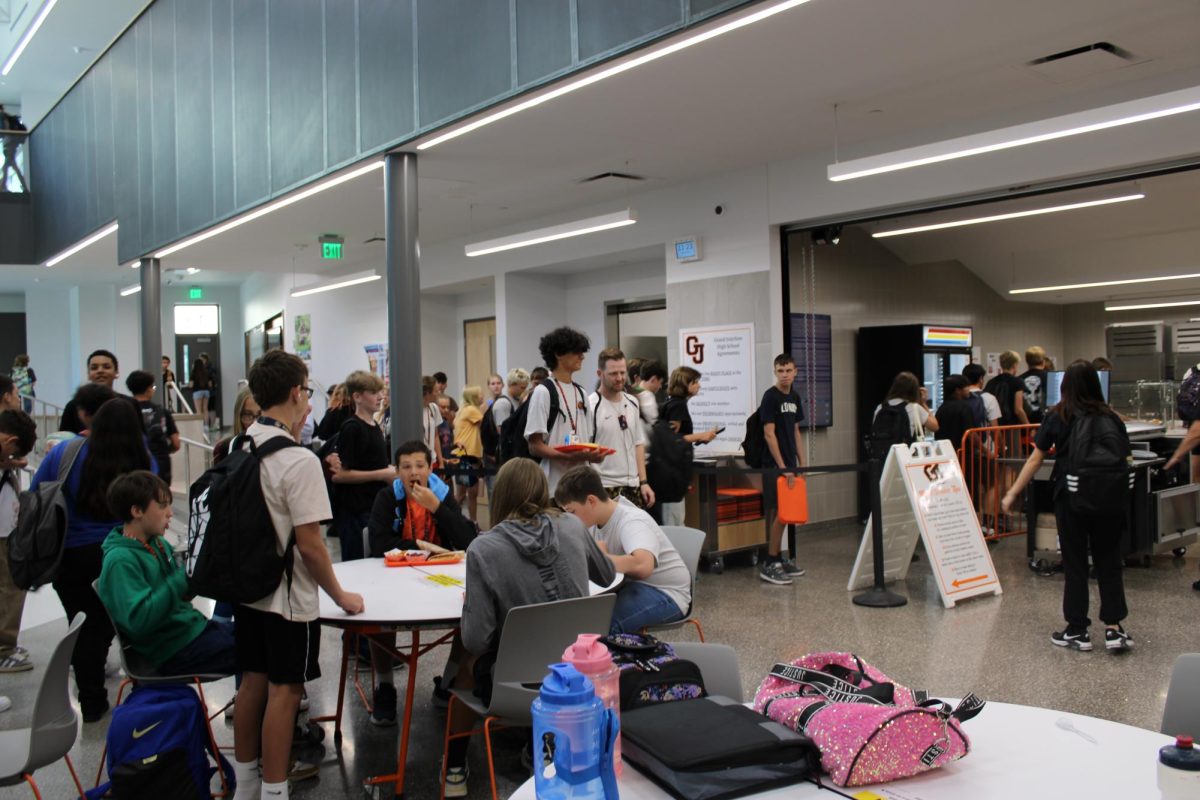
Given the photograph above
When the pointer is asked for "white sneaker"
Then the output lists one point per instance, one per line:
(5, 704)
(456, 781)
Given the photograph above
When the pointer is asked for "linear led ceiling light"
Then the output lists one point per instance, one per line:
(32, 30)
(1044, 130)
(329, 287)
(267, 209)
(128, 290)
(1153, 302)
(1099, 284)
(653, 54)
(82, 243)
(1012, 215)
(566, 230)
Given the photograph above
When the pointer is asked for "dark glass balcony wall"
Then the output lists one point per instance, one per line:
(204, 108)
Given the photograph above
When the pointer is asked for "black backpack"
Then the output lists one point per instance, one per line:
(978, 410)
(754, 446)
(1002, 390)
(154, 420)
(1188, 400)
(890, 427)
(513, 443)
(232, 555)
(669, 463)
(1098, 469)
(488, 432)
(35, 547)
(651, 673)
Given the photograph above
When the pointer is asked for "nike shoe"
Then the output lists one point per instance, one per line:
(1077, 641)
(1117, 640)
(456, 781)
(773, 572)
(791, 569)
(383, 710)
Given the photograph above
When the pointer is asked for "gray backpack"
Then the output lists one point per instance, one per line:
(35, 548)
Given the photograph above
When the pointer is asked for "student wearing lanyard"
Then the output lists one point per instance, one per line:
(616, 424)
(416, 511)
(562, 349)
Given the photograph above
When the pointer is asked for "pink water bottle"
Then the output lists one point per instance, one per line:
(591, 657)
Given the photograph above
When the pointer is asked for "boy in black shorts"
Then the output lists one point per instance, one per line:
(278, 638)
(781, 414)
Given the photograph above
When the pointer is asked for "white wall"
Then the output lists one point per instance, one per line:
(12, 303)
(587, 293)
(52, 336)
(232, 366)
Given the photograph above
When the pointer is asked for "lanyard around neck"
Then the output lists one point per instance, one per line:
(566, 405)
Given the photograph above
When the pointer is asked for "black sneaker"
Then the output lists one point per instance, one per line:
(95, 713)
(441, 697)
(791, 569)
(773, 572)
(1117, 640)
(1077, 641)
(383, 709)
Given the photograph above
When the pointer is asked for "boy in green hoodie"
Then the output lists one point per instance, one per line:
(146, 592)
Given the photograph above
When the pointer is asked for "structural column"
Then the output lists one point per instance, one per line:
(403, 294)
(150, 273)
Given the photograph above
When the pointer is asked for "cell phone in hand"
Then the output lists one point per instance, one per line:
(720, 431)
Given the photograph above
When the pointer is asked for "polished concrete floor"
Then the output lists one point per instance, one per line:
(997, 647)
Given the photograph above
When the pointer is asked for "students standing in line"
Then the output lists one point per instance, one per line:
(495, 388)
(651, 378)
(445, 430)
(781, 413)
(278, 638)
(1082, 532)
(431, 418)
(1009, 391)
(536, 376)
(101, 369)
(684, 385)
(562, 349)
(616, 424)
(364, 466)
(161, 433)
(115, 445)
(1034, 379)
(439, 383)
(955, 416)
(468, 446)
(507, 404)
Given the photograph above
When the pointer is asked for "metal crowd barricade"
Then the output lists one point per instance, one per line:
(991, 458)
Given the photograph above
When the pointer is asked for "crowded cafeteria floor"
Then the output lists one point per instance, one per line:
(998, 647)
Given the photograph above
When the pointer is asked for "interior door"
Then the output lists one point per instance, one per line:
(188, 348)
(480, 355)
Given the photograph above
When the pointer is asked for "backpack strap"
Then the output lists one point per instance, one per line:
(70, 453)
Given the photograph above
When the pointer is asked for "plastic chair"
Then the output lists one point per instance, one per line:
(55, 726)
(688, 542)
(1181, 715)
(533, 638)
(718, 666)
(138, 670)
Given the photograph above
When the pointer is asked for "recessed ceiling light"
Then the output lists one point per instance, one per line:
(1099, 284)
(329, 287)
(553, 233)
(30, 32)
(82, 243)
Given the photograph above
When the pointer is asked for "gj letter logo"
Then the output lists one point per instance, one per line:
(694, 349)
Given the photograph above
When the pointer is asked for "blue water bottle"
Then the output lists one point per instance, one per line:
(573, 739)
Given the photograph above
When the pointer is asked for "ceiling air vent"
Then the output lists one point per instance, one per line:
(1082, 62)
(604, 176)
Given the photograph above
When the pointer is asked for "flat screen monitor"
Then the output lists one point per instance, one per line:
(1054, 386)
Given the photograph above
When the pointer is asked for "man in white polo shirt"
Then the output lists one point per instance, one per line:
(657, 587)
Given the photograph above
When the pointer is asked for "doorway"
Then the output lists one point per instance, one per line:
(638, 328)
(479, 336)
(197, 330)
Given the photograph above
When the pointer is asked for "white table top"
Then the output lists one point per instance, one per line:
(406, 595)
(1016, 751)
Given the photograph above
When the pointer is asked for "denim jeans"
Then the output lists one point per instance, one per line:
(640, 604)
(212, 653)
(350, 533)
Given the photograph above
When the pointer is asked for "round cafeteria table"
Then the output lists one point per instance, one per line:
(411, 599)
(1016, 751)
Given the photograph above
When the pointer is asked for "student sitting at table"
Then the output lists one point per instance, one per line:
(658, 586)
(534, 554)
(416, 511)
(146, 591)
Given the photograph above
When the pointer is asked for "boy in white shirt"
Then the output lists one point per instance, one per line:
(278, 638)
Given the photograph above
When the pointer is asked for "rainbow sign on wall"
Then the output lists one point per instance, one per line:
(942, 336)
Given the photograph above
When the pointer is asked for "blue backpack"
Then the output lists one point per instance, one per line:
(158, 746)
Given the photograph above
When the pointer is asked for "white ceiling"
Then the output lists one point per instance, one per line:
(73, 36)
(906, 73)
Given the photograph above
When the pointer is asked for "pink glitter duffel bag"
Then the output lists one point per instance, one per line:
(868, 728)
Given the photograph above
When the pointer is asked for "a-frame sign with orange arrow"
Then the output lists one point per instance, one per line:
(923, 494)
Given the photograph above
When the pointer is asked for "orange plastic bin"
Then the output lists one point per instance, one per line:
(793, 503)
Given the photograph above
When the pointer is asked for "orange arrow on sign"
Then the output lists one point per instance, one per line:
(962, 581)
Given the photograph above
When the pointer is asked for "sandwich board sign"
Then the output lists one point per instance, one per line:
(923, 496)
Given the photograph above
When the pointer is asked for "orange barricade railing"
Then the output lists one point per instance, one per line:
(991, 458)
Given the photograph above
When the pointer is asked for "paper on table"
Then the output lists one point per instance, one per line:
(445, 580)
(886, 793)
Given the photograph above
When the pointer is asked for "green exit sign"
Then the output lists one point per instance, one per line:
(331, 249)
(195, 293)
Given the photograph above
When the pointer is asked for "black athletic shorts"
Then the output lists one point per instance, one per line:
(286, 651)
